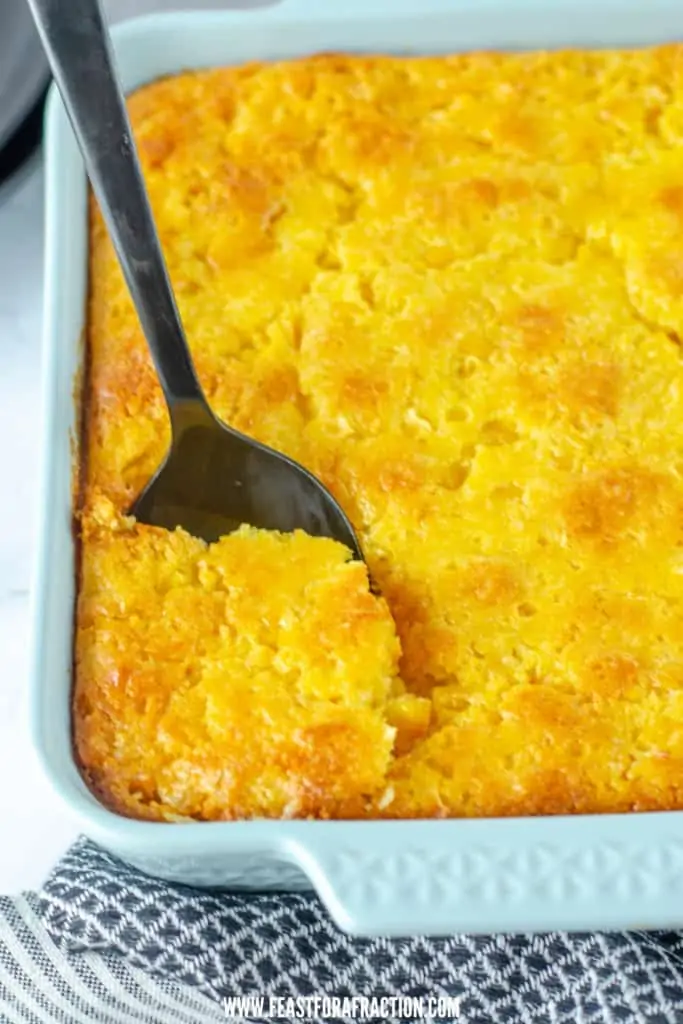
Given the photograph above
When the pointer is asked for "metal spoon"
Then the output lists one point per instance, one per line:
(213, 479)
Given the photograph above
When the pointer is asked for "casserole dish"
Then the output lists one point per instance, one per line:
(389, 878)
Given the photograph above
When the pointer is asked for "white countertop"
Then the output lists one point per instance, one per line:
(34, 830)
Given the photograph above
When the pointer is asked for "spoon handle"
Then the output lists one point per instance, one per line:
(79, 51)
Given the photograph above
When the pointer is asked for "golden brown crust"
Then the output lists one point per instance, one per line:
(453, 288)
(248, 677)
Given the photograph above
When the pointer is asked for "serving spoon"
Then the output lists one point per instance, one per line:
(213, 479)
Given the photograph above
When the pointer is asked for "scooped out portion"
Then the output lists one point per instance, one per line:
(250, 677)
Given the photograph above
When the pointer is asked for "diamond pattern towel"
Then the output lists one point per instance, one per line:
(104, 943)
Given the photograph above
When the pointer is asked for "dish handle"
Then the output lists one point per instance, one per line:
(376, 881)
(401, 878)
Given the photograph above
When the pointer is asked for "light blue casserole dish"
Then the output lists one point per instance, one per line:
(376, 878)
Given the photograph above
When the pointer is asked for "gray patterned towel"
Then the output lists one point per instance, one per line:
(104, 943)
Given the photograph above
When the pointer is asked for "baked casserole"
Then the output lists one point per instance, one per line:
(452, 287)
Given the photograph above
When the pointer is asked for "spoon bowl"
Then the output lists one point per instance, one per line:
(214, 479)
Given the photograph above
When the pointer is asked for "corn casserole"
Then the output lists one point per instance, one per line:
(451, 287)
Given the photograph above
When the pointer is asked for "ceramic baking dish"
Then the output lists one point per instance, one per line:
(392, 878)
